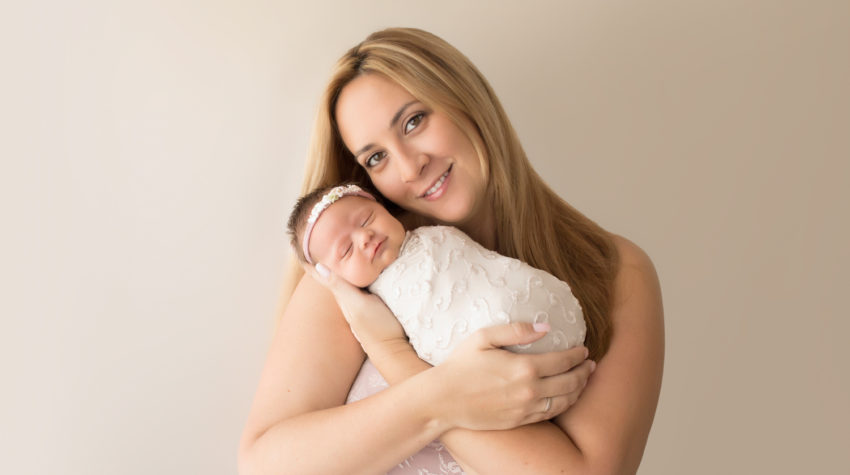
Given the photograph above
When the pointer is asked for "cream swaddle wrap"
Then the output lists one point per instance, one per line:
(444, 286)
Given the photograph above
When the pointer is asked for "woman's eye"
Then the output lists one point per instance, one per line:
(374, 159)
(413, 122)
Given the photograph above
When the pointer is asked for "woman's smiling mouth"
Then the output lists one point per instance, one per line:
(438, 187)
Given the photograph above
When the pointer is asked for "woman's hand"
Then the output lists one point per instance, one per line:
(371, 322)
(487, 388)
(496, 389)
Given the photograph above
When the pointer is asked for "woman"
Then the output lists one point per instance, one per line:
(411, 115)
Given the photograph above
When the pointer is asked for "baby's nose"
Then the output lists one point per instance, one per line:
(364, 236)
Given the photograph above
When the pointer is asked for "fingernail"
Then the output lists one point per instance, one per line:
(586, 352)
(541, 327)
(322, 270)
(592, 366)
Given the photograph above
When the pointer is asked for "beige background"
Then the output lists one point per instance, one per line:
(151, 151)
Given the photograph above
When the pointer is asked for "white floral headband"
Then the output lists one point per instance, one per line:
(330, 198)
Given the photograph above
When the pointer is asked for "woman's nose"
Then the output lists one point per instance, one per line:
(411, 165)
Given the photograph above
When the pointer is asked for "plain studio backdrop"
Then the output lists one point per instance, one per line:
(152, 150)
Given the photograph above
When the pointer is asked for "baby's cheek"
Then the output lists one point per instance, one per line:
(342, 271)
(359, 275)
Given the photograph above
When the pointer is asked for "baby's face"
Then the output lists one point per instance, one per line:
(356, 238)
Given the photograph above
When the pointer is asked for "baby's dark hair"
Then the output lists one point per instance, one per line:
(297, 222)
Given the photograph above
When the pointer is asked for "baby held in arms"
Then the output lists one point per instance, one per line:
(440, 284)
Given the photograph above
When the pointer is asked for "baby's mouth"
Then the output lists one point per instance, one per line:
(377, 248)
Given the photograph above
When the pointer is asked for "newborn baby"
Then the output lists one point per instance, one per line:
(439, 283)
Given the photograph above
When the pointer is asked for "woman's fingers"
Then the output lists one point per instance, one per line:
(370, 320)
(312, 272)
(342, 289)
(516, 333)
(557, 362)
(559, 393)
(570, 382)
(555, 406)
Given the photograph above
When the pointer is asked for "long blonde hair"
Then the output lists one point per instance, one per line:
(532, 223)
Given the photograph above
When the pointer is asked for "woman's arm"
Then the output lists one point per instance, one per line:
(610, 423)
(606, 430)
(533, 448)
(489, 384)
(298, 413)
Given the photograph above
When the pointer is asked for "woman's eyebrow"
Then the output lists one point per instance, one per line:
(398, 114)
(393, 123)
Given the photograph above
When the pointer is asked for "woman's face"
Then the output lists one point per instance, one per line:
(415, 156)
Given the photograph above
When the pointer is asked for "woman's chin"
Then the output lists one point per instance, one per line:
(451, 217)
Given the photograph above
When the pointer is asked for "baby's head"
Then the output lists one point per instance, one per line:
(347, 231)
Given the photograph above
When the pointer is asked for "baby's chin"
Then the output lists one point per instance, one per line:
(374, 277)
(363, 281)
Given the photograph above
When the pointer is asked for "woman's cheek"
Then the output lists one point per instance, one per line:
(392, 190)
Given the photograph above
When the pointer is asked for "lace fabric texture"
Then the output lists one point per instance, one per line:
(444, 286)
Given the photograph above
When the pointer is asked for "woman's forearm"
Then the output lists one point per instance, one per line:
(535, 448)
(539, 448)
(298, 423)
(369, 436)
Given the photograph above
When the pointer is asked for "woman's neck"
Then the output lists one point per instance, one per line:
(482, 228)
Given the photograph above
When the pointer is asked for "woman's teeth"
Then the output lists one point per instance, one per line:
(438, 184)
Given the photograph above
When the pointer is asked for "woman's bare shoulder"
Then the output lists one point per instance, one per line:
(636, 277)
(631, 254)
